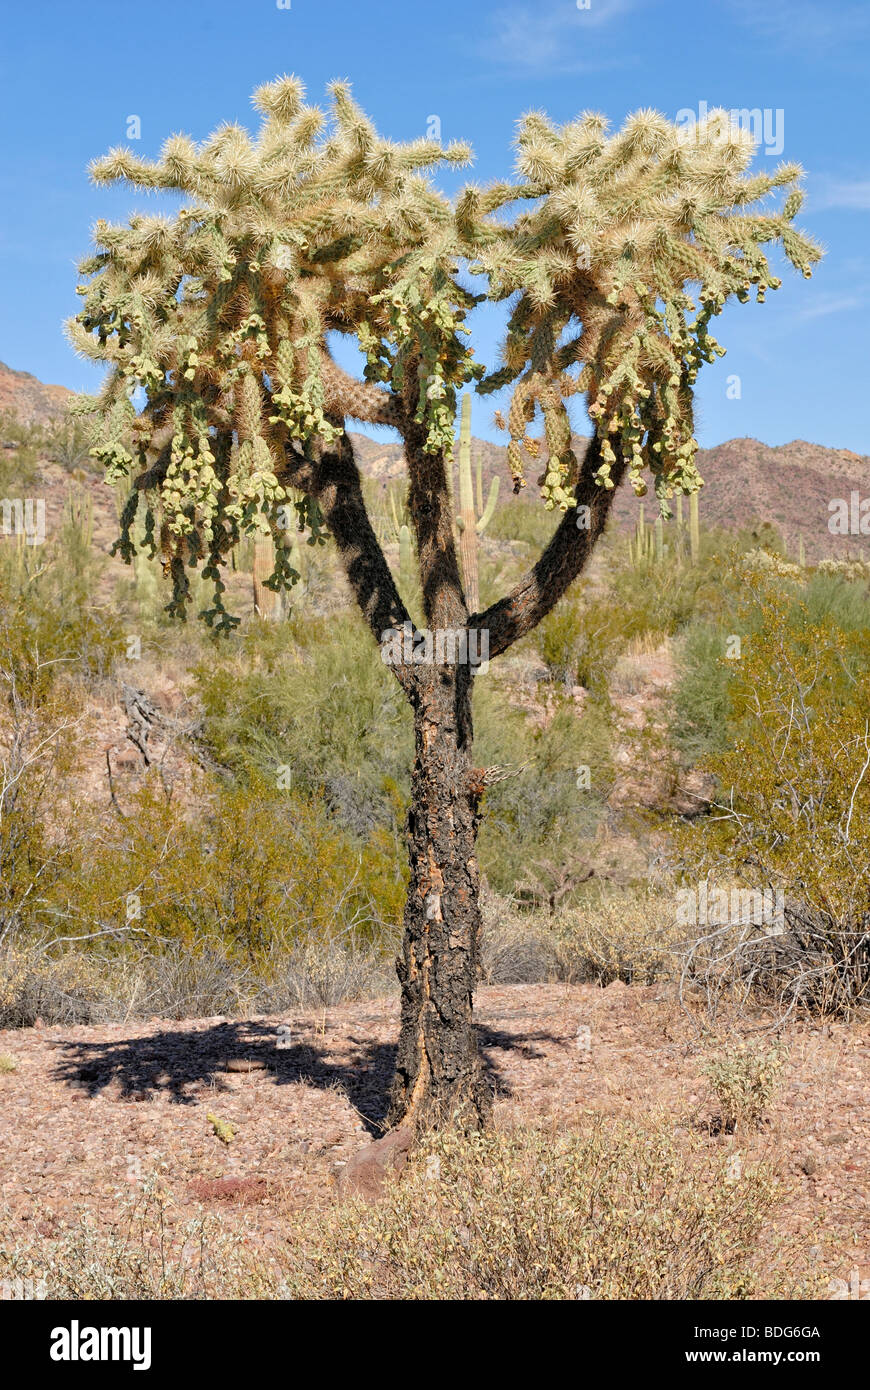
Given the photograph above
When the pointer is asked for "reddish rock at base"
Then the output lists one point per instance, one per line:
(367, 1169)
(244, 1190)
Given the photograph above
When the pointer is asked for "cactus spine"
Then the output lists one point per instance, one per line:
(471, 523)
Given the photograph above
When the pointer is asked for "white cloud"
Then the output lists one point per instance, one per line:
(852, 194)
(541, 41)
(832, 303)
(805, 24)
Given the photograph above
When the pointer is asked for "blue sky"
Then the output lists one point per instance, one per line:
(71, 75)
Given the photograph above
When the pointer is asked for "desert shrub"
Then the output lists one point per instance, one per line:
(540, 816)
(614, 1211)
(38, 716)
(50, 616)
(663, 597)
(67, 441)
(67, 987)
(516, 947)
(608, 934)
(41, 980)
(314, 700)
(627, 936)
(18, 462)
(251, 871)
(760, 534)
(324, 974)
(795, 802)
(580, 639)
(745, 1079)
(558, 640)
(834, 601)
(517, 521)
(147, 1254)
(701, 707)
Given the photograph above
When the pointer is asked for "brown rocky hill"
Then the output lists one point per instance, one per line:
(790, 486)
(26, 397)
(746, 481)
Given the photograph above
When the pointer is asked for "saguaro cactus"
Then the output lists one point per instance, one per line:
(406, 560)
(469, 524)
(694, 528)
(641, 548)
(267, 603)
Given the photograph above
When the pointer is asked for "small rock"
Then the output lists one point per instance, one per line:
(809, 1164)
(367, 1169)
(245, 1064)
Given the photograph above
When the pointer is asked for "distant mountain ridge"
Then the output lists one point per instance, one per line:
(28, 398)
(745, 481)
(789, 485)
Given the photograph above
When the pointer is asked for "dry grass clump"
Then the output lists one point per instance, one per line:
(183, 982)
(626, 936)
(516, 947)
(612, 1212)
(65, 989)
(745, 1079)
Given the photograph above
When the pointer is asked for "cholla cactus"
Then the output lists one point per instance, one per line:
(635, 244)
(222, 316)
(221, 313)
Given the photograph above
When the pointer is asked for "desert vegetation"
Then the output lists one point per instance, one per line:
(654, 785)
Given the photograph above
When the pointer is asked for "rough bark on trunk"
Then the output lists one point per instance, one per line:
(439, 1073)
